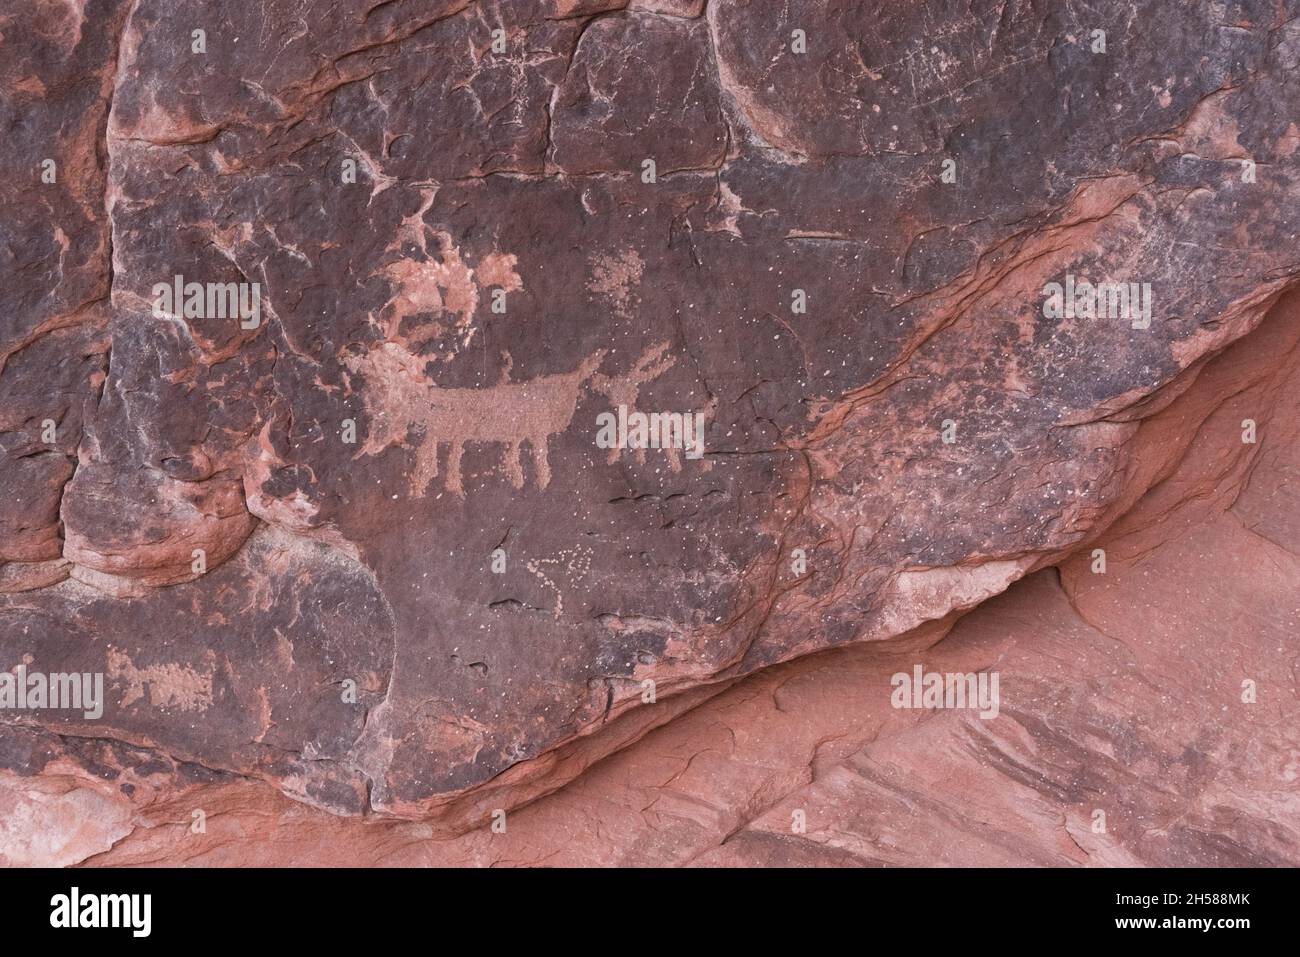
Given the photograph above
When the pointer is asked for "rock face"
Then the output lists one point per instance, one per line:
(331, 325)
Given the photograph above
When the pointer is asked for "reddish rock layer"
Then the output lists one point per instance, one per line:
(474, 228)
(1121, 694)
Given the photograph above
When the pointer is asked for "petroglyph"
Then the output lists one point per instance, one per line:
(615, 278)
(569, 563)
(402, 398)
(626, 391)
(439, 283)
(165, 685)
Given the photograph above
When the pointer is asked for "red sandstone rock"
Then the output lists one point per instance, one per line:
(365, 552)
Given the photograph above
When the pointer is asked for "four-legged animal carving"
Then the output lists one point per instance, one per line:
(400, 396)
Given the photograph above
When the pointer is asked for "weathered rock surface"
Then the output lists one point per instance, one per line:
(275, 539)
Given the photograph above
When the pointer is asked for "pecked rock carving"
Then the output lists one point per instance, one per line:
(507, 413)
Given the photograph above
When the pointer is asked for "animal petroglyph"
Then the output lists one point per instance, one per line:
(569, 563)
(626, 391)
(400, 397)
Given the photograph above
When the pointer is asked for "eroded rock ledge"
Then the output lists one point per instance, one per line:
(367, 552)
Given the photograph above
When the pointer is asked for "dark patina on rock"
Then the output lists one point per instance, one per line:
(519, 177)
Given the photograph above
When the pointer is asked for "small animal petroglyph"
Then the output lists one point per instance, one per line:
(400, 397)
(568, 563)
(625, 390)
